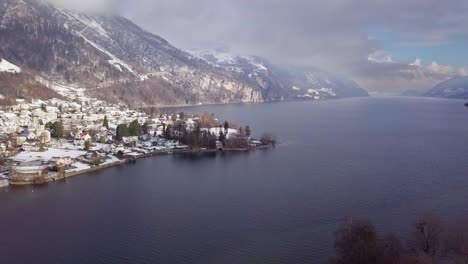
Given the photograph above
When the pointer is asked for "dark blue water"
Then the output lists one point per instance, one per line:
(385, 159)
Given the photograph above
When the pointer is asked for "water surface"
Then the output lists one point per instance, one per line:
(385, 159)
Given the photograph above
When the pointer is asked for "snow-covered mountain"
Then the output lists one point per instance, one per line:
(118, 61)
(456, 87)
(286, 82)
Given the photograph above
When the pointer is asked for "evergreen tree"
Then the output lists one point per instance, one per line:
(122, 131)
(105, 123)
(182, 116)
(248, 132)
(222, 137)
(168, 132)
(226, 126)
(57, 129)
(87, 145)
(134, 129)
(49, 125)
(145, 128)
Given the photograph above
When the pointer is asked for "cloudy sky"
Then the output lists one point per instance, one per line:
(385, 45)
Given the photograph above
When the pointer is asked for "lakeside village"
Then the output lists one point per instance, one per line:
(42, 141)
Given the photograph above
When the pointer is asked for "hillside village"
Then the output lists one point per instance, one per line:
(41, 141)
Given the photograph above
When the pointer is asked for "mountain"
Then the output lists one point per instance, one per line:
(456, 87)
(15, 83)
(119, 62)
(283, 82)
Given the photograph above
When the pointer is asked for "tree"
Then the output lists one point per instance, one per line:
(49, 125)
(105, 123)
(87, 145)
(222, 137)
(207, 120)
(357, 243)
(145, 128)
(268, 139)
(182, 116)
(60, 108)
(457, 243)
(122, 131)
(44, 107)
(120, 154)
(226, 126)
(248, 132)
(237, 141)
(57, 129)
(134, 129)
(168, 132)
(427, 235)
(164, 129)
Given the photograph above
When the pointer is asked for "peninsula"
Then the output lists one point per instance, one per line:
(42, 141)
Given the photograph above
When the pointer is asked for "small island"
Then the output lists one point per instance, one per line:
(60, 139)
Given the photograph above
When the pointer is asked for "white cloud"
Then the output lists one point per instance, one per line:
(380, 57)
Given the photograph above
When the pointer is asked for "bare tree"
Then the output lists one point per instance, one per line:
(357, 243)
(268, 139)
(456, 244)
(427, 235)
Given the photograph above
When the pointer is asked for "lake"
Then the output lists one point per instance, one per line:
(386, 159)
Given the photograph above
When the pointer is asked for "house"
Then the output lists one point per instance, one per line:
(45, 137)
(81, 138)
(60, 162)
(28, 134)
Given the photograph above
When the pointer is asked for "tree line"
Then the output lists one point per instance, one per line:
(134, 129)
(430, 242)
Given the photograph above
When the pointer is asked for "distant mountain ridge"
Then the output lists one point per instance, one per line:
(455, 87)
(120, 62)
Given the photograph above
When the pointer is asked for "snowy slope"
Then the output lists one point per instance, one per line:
(6, 66)
(456, 87)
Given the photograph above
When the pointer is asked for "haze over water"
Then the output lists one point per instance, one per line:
(386, 159)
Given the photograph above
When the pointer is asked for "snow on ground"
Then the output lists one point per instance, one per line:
(48, 154)
(92, 24)
(111, 159)
(313, 91)
(116, 62)
(6, 66)
(216, 130)
(79, 166)
(86, 21)
(255, 63)
(220, 57)
(65, 88)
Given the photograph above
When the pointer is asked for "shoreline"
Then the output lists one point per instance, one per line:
(252, 103)
(134, 159)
